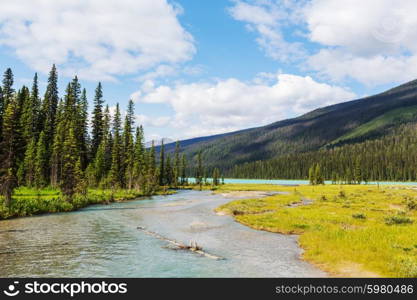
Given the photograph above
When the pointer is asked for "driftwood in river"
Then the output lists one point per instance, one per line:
(193, 247)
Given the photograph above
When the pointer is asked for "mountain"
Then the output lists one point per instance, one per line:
(158, 142)
(331, 126)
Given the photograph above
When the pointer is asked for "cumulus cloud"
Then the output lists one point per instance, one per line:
(370, 41)
(269, 19)
(95, 39)
(228, 105)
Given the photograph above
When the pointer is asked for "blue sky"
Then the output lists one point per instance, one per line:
(204, 67)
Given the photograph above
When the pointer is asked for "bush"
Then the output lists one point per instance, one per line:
(359, 216)
(398, 220)
(411, 204)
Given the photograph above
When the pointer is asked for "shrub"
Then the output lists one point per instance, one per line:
(398, 220)
(411, 204)
(359, 216)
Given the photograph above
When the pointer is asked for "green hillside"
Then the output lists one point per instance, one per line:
(379, 124)
(335, 125)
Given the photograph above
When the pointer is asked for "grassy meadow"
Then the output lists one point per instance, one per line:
(355, 230)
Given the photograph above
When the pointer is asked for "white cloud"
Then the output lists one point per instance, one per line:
(165, 71)
(96, 39)
(374, 70)
(227, 105)
(268, 19)
(371, 41)
(153, 121)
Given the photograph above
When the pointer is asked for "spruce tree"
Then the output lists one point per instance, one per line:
(49, 108)
(177, 165)
(200, 170)
(30, 113)
(151, 176)
(36, 102)
(69, 180)
(56, 157)
(97, 121)
(357, 174)
(108, 137)
(162, 179)
(215, 177)
(318, 175)
(116, 171)
(41, 162)
(139, 159)
(7, 88)
(29, 163)
(169, 174)
(9, 151)
(82, 128)
(184, 179)
(100, 170)
(128, 146)
(1, 113)
(311, 175)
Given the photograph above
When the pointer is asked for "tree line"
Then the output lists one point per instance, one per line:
(392, 157)
(49, 141)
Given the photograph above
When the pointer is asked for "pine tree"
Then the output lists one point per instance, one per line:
(318, 175)
(177, 165)
(1, 113)
(100, 170)
(108, 137)
(69, 180)
(200, 171)
(49, 108)
(216, 174)
(41, 162)
(29, 163)
(82, 128)
(152, 178)
(35, 122)
(30, 113)
(311, 175)
(7, 89)
(139, 159)
(357, 174)
(81, 184)
(56, 157)
(128, 146)
(162, 179)
(116, 171)
(97, 121)
(169, 174)
(184, 180)
(9, 150)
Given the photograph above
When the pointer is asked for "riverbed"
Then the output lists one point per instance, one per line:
(104, 241)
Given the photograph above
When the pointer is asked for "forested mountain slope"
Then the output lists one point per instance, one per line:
(335, 125)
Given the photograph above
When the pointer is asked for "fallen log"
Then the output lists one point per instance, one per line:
(193, 247)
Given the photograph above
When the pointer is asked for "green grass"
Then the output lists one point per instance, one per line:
(347, 230)
(28, 202)
(395, 116)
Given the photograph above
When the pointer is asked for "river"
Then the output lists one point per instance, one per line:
(104, 241)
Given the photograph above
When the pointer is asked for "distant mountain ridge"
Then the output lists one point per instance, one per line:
(159, 142)
(330, 126)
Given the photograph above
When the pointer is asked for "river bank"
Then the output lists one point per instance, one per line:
(348, 231)
(109, 241)
(30, 202)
